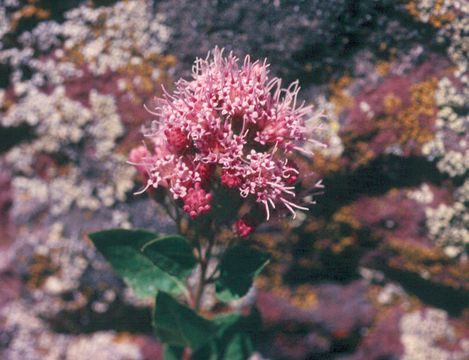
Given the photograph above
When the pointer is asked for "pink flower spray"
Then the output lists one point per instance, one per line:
(229, 126)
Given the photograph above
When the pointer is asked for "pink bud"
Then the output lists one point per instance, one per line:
(243, 228)
(197, 201)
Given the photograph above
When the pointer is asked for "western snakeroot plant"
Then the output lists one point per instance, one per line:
(218, 158)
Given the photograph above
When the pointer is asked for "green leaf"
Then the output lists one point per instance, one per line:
(173, 352)
(239, 347)
(207, 352)
(227, 320)
(172, 254)
(121, 248)
(178, 325)
(233, 340)
(238, 268)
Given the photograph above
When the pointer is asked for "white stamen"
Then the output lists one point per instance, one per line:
(149, 111)
(285, 201)
(149, 183)
(267, 209)
(291, 210)
(306, 152)
(272, 203)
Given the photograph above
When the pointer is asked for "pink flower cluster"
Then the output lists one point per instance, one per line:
(230, 126)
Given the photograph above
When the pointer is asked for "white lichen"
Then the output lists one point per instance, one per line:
(448, 225)
(423, 194)
(109, 127)
(59, 125)
(389, 294)
(421, 333)
(128, 31)
(102, 345)
(327, 123)
(33, 341)
(449, 147)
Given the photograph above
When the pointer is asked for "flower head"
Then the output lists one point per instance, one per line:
(232, 126)
(197, 201)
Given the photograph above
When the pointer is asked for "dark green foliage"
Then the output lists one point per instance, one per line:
(173, 352)
(172, 254)
(238, 268)
(180, 326)
(122, 249)
(148, 263)
(234, 338)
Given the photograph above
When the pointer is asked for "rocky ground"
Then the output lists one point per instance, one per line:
(378, 269)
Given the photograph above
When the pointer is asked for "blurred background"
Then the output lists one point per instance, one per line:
(378, 269)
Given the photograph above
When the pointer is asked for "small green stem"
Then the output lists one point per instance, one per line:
(204, 261)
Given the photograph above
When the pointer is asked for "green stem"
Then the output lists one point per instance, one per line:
(204, 261)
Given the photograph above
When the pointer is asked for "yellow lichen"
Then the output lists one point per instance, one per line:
(407, 120)
(391, 102)
(422, 104)
(271, 243)
(420, 259)
(324, 165)
(304, 297)
(28, 11)
(343, 244)
(346, 215)
(39, 270)
(365, 155)
(338, 96)
(382, 68)
(423, 96)
(265, 282)
(437, 17)
(281, 291)
(145, 72)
